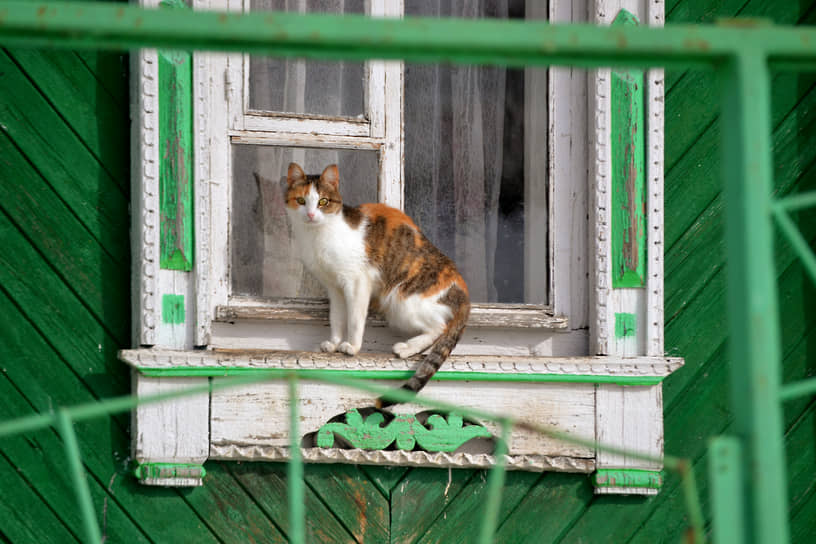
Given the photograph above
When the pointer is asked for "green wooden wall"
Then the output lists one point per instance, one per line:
(65, 306)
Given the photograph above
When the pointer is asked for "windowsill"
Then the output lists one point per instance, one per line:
(643, 371)
(300, 310)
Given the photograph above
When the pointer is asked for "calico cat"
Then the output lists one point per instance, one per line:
(375, 254)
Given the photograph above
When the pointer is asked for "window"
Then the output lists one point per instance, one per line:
(512, 172)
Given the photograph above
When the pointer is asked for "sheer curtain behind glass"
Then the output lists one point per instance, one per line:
(461, 186)
(307, 87)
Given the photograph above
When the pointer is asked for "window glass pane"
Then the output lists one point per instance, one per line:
(307, 86)
(264, 261)
(465, 178)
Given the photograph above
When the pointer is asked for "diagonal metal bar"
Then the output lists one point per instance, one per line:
(797, 389)
(752, 299)
(83, 494)
(495, 483)
(797, 202)
(797, 241)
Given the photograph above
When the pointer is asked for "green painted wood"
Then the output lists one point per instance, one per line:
(40, 459)
(33, 367)
(176, 159)
(25, 517)
(173, 309)
(627, 130)
(460, 521)
(623, 477)
(547, 509)
(404, 431)
(353, 499)
(61, 316)
(63, 243)
(421, 497)
(54, 150)
(710, 299)
(802, 529)
(228, 511)
(74, 92)
(385, 477)
(266, 484)
(625, 325)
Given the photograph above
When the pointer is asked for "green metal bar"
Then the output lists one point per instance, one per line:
(752, 303)
(294, 477)
(797, 241)
(724, 469)
(797, 389)
(495, 482)
(403, 375)
(692, 500)
(116, 26)
(83, 494)
(797, 202)
(26, 424)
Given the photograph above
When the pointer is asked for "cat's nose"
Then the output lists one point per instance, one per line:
(310, 214)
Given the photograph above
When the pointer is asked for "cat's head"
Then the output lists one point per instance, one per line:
(312, 199)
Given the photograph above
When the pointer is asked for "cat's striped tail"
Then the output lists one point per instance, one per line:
(440, 349)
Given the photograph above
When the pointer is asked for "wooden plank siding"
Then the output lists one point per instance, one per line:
(65, 311)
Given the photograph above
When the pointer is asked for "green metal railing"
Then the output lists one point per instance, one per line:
(751, 463)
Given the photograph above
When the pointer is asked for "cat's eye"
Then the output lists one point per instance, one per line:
(322, 202)
(301, 200)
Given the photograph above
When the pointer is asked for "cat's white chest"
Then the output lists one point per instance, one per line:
(334, 252)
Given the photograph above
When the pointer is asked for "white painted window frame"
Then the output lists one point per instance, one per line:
(576, 124)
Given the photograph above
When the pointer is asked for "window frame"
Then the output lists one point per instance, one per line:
(385, 100)
(581, 286)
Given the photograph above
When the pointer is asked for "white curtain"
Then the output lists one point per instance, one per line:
(454, 131)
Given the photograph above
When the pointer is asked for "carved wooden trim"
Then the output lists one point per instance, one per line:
(599, 180)
(292, 360)
(145, 183)
(533, 463)
(655, 93)
(201, 133)
(528, 316)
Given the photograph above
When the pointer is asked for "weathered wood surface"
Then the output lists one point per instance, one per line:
(258, 415)
(310, 310)
(55, 320)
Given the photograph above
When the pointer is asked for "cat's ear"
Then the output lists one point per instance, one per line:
(294, 174)
(331, 176)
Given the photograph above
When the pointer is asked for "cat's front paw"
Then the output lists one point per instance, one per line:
(402, 350)
(328, 346)
(348, 349)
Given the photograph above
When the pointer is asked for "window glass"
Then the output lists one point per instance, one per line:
(264, 261)
(306, 86)
(465, 176)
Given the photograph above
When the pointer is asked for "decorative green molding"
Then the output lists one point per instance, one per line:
(628, 128)
(627, 477)
(173, 309)
(625, 325)
(144, 471)
(176, 155)
(216, 372)
(404, 429)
